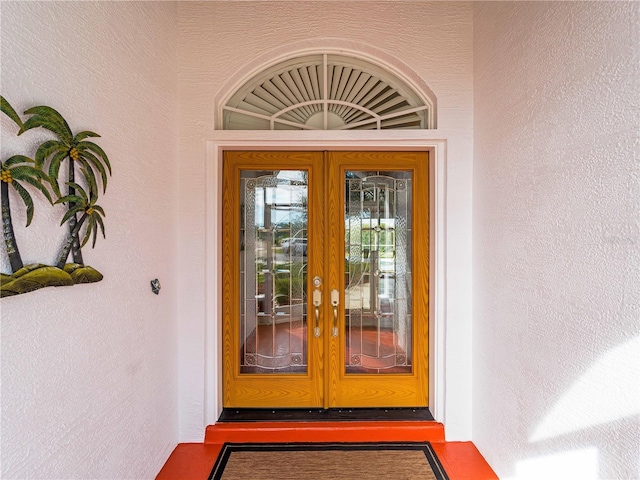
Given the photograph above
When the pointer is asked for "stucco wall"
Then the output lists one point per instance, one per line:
(220, 39)
(556, 332)
(89, 373)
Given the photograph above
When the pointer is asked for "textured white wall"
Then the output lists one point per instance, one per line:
(556, 330)
(89, 373)
(219, 39)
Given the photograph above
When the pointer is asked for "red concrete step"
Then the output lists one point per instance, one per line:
(463, 461)
(194, 461)
(190, 461)
(389, 431)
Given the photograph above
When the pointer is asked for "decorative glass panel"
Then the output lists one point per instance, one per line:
(378, 272)
(273, 271)
(327, 92)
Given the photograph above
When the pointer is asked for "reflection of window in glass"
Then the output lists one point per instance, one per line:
(378, 271)
(273, 271)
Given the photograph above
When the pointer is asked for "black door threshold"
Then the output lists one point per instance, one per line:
(321, 415)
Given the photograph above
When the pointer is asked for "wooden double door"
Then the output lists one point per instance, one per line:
(325, 279)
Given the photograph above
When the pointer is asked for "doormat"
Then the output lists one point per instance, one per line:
(328, 461)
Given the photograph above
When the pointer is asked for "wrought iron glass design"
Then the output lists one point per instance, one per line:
(378, 271)
(273, 271)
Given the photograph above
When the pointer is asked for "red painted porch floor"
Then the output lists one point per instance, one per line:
(194, 461)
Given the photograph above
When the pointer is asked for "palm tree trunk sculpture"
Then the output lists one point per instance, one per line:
(75, 245)
(7, 227)
(70, 241)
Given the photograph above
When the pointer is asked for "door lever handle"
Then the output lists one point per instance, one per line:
(335, 301)
(317, 301)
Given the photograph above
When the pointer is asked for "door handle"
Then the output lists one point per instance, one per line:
(317, 301)
(335, 301)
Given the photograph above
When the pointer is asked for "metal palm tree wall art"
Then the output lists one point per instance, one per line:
(84, 218)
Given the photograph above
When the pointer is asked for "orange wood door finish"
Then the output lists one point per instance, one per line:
(350, 230)
(403, 383)
(248, 381)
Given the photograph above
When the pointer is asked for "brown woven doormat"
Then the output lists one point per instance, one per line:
(328, 461)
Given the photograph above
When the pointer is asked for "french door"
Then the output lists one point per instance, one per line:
(325, 279)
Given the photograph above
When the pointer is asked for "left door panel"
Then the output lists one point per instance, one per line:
(272, 222)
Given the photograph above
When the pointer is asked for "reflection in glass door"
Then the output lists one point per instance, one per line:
(273, 271)
(377, 296)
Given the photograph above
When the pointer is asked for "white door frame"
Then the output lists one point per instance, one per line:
(423, 140)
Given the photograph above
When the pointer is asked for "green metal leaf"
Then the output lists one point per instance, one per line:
(8, 110)
(69, 198)
(71, 213)
(47, 149)
(22, 171)
(96, 149)
(38, 184)
(99, 220)
(51, 115)
(19, 171)
(88, 174)
(34, 176)
(91, 182)
(95, 221)
(80, 190)
(38, 121)
(26, 198)
(16, 159)
(54, 170)
(98, 208)
(91, 225)
(95, 233)
(82, 135)
(86, 154)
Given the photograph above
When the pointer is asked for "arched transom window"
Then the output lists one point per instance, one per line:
(327, 92)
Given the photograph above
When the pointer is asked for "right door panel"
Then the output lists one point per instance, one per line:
(378, 246)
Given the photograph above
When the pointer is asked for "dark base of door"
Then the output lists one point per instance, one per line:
(321, 415)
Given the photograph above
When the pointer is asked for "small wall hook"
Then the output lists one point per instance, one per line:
(155, 286)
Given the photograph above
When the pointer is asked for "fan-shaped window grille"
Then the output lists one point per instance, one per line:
(326, 92)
